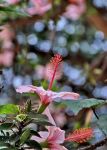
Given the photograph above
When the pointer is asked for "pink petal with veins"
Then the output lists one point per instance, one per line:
(56, 135)
(25, 89)
(68, 95)
(48, 114)
(47, 96)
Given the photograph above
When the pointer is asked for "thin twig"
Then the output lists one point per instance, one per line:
(96, 115)
(93, 109)
(94, 146)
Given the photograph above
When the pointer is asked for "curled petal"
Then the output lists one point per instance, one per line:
(67, 95)
(48, 114)
(26, 89)
(30, 88)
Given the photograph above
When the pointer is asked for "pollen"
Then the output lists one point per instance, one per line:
(56, 59)
(80, 135)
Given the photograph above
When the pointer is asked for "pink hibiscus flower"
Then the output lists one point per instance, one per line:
(74, 11)
(47, 96)
(51, 138)
(45, 72)
(39, 7)
(8, 55)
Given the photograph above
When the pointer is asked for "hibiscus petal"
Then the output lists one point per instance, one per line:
(26, 89)
(56, 135)
(30, 88)
(43, 137)
(69, 95)
(38, 139)
(48, 114)
(57, 147)
(66, 95)
(44, 134)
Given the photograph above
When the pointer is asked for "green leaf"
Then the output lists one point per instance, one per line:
(25, 135)
(78, 105)
(6, 126)
(11, 9)
(33, 132)
(34, 144)
(9, 109)
(4, 138)
(14, 137)
(7, 146)
(4, 144)
(102, 123)
(9, 149)
(39, 119)
(21, 117)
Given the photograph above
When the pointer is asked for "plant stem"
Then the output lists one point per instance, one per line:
(41, 109)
